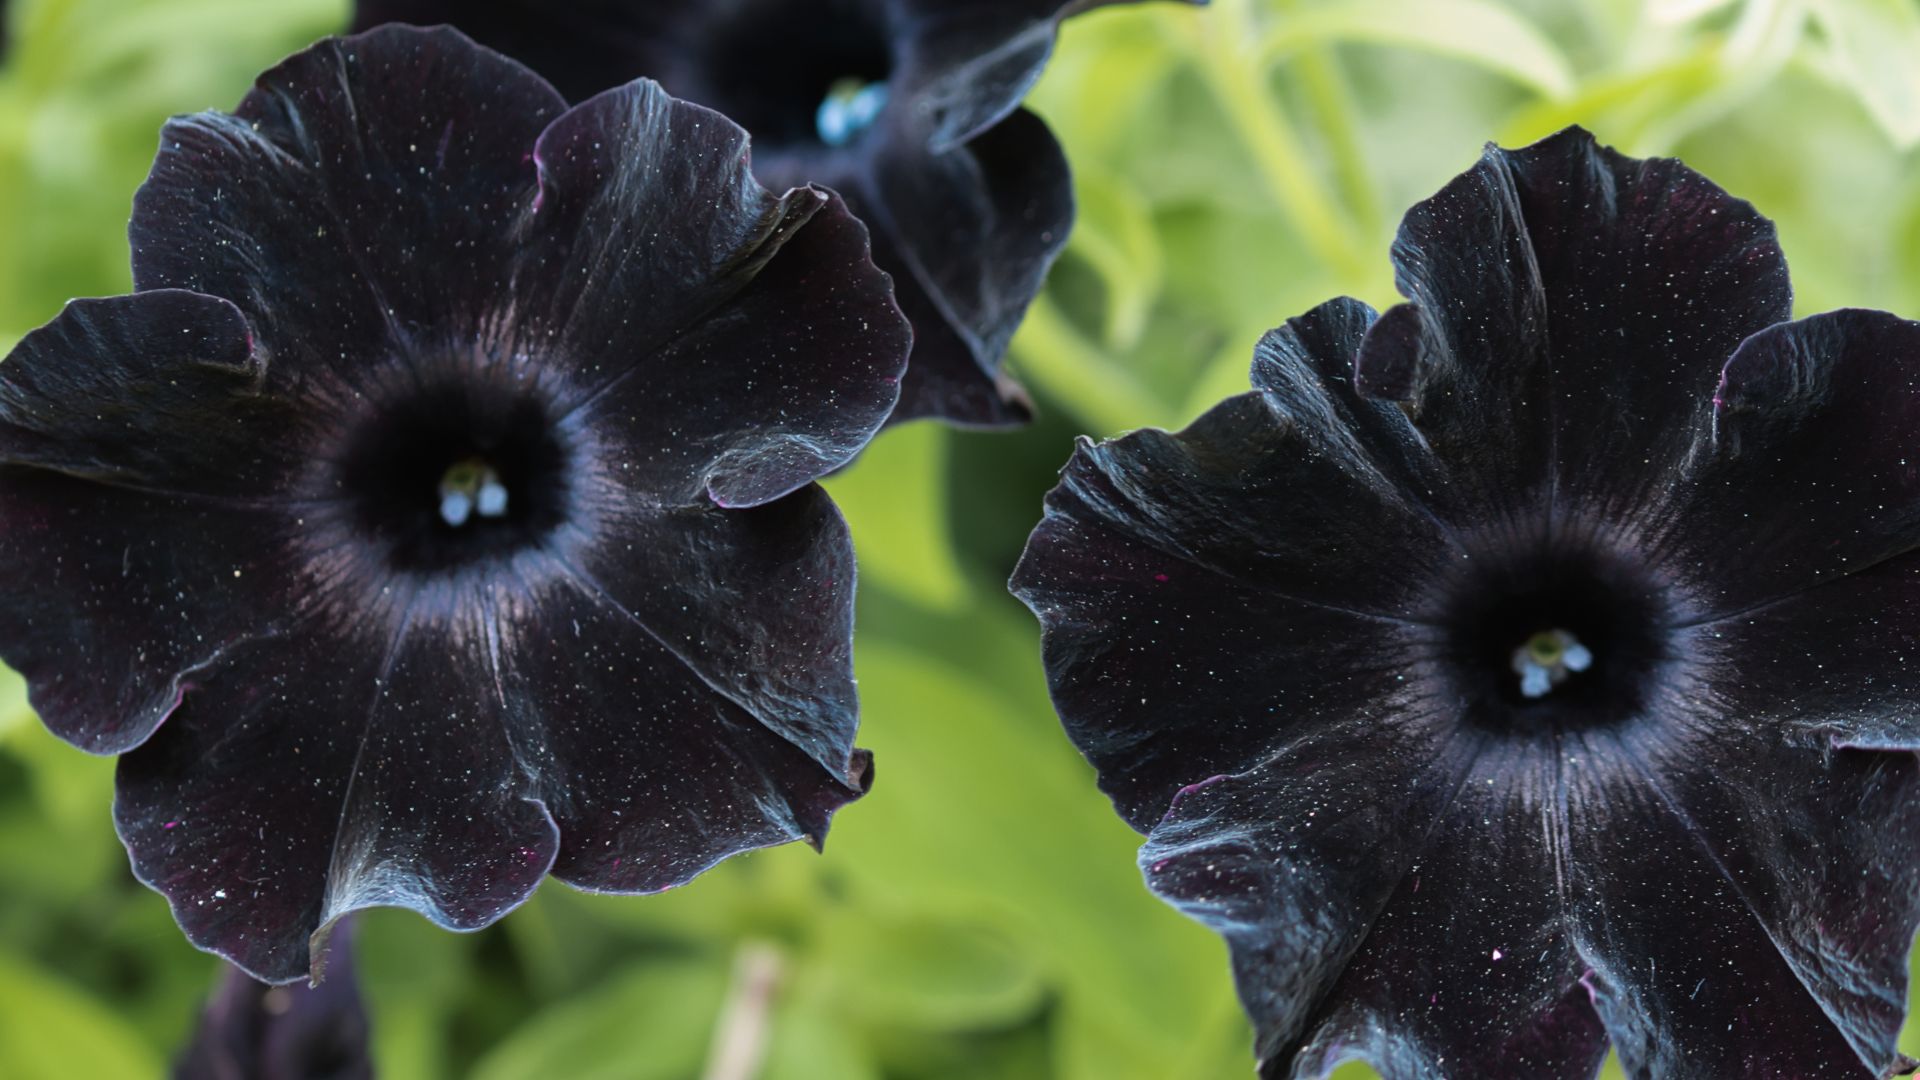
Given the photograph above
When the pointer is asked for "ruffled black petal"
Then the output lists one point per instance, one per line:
(300, 780)
(1265, 538)
(135, 456)
(253, 517)
(744, 353)
(582, 47)
(1812, 425)
(967, 196)
(673, 739)
(1385, 919)
(391, 170)
(1747, 908)
(1551, 282)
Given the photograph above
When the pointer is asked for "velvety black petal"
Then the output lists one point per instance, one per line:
(1006, 199)
(671, 739)
(744, 352)
(1554, 282)
(390, 779)
(582, 46)
(1206, 593)
(1809, 471)
(1748, 910)
(384, 174)
(1412, 923)
(252, 1031)
(1836, 663)
(968, 64)
(135, 458)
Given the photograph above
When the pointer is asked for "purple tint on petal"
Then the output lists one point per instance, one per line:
(392, 165)
(749, 350)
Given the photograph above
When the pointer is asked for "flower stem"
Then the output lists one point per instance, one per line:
(746, 1023)
(1232, 67)
(1332, 102)
(1071, 370)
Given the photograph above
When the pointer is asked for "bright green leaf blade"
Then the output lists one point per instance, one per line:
(892, 498)
(1477, 31)
(1877, 46)
(912, 970)
(1002, 819)
(809, 1042)
(652, 1023)
(1114, 234)
(52, 1031)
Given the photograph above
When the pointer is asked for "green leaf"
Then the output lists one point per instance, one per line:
(1877, 46)
(1477, 31)
(14, 710)
(51, 1031)
(810, 1043)
(1682, 11)
(892, 499)
(412, 974)
(651, 1023)
(911, 970)
(1115, 236)
(1105, 73)
(995, 814)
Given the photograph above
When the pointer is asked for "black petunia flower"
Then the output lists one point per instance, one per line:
(907, 108)
(1572, 701)
(441, 510)
(252, 1031)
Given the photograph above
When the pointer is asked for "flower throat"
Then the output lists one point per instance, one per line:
(1550, 638)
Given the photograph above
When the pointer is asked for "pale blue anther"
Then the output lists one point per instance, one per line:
(492, 501)
(851, 107)
(455, 508)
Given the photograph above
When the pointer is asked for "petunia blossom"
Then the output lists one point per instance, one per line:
(439, 512)
(910, 109)
(252, 1031)
(1528, 669)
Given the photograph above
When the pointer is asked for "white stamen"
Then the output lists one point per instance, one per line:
(1577, 657)
(455, 508)
(493, 499)
(850, 107)
(1535, 681)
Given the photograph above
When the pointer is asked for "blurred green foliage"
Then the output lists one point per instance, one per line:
(979, 915)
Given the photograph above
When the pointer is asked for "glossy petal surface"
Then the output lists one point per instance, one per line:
(1812, 424)
(741, 354)
(121, 479)
(393, 167)
(671, 743)
(1561, 278)
(1168, 567)
(1748, 910)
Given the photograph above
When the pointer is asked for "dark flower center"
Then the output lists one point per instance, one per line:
(796, 75)
(1554, 636)
(447, 476)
